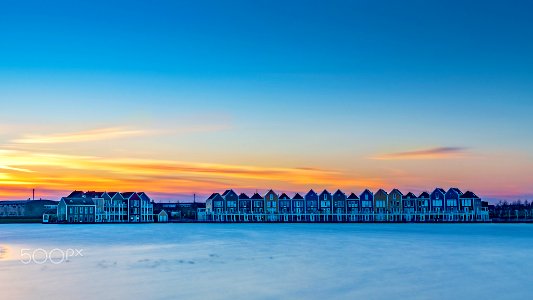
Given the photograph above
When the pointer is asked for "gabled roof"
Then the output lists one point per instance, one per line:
(325, 192)
(270, 192)
(75, 194)
(440, 190)
(130, 195)
(339, 192)
(243, 196)
(256, 196)
(78, 201)
(469, 195)
(226, 192)
(367, 191)
(424, 195)
(396, 191)
(410, 196)
(382, 191)
(112, 194)
(213, 196)
(458, 191)
(353, 197)
(297, 197)
(284, 197)
(310, 192)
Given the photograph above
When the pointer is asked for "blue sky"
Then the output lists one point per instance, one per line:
(371, 77)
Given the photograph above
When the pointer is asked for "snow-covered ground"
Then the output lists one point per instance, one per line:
(268, 261)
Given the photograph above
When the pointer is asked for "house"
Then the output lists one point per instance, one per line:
(245, 204)
(140, 209)
(284, 204)
(231, 200)
(437, 203)
(367, 204)
(452, 200)
(339, 202)
(470, 203)
(258, 204)
(298, 204)
(271, 202)
(311, 202)
(352, 207)
(118, 209)
(215, 204)
(423, 204)
(380, 205)
(325, 203)
(395, 205)
(76, 210)
(409, 206)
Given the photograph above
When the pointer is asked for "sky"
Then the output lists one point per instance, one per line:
(177, 98)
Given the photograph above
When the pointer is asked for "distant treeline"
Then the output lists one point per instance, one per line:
(505, 211)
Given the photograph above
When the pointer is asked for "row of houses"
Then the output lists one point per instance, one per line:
(105, 207)
(394, 206)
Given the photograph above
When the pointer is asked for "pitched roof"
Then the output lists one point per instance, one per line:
(424, 195)
(112, 194)
(78, 201)
(382, 191)
(226, 192)
(396, 190)
(92, 194)
(440, 190)
(256, 196)
(409, 196)
(469, 195)
(458, 191)
(338, 192)
(213, 196)
(284, 197)
(353, 197)
(310, 192)
(127, 194)
(243, 196)
(75, 194)
(297, 197)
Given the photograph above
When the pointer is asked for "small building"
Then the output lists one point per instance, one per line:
(367, 204)
(31, 209)
(245, 204)
(325, 203)
(258, 204)
(395, 206)
(437, 203)
(409, 206)
(231, 200)
(160, 216)
(353, 205)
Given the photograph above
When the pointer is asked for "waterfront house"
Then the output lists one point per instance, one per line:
(367, 204)
(352, 207)
(245, 204)
(325, 204)
(271, 202)
(139, 209)
(395, 205)
(451, 205)
(76, 210)
(119, 207)
(472, 206)
(99, 214)
(258, 206)
(284, 204)
(231, 200)
(339, 202)
(409, 206)
(298, 204)
(380, 205)
(311, 204)
(437, 203)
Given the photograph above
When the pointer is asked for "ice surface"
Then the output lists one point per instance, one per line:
(270, 261)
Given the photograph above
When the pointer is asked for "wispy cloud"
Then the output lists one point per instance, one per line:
(64, 172)
(433, 153)
(81, 136)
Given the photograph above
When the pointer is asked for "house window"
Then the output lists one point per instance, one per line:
(366, 196)
(271, 197)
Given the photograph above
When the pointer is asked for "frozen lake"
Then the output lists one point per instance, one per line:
(268, 261)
